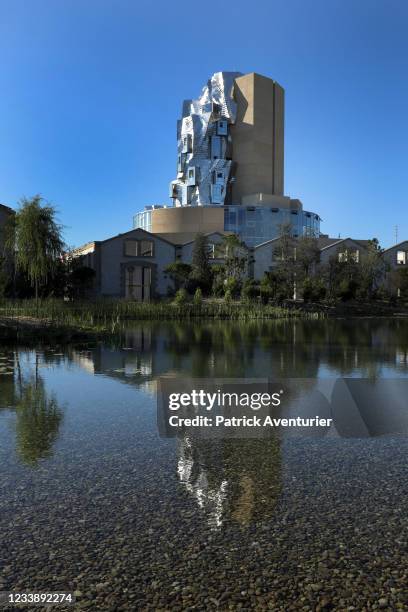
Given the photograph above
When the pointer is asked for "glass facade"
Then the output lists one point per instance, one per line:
(257, 224)
(143, 220)
(254, 224)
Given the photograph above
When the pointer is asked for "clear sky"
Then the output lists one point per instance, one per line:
(90, 91)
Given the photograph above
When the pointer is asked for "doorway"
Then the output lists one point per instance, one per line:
(138, 283)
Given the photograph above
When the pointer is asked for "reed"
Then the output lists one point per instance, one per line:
(107, 314)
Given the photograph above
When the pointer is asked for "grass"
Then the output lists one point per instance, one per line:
(108, 314)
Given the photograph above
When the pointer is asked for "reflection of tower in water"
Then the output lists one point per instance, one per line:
(232, 480)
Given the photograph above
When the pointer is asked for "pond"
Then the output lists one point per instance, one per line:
(94, 501)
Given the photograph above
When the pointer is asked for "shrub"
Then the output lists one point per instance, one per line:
(181, 297)
(275, 286)
(233, 286)
(228, 296)
(267, 294)
(314, 289)
(218, 288)
(201, 274)
(179, 273)
(250, 289)
(198, 297)
(346, 289)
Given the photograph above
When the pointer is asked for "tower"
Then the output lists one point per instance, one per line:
(230, 141)
(230, 165)
(258, 137)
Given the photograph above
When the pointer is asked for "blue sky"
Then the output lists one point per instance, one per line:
(90, 91)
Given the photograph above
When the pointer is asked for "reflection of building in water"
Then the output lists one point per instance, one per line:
(401, 357)
(210, 496)
(272, 349)
(130, 359)
(85, 360)
(231, 480)
(7, 374)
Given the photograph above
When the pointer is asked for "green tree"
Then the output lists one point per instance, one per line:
(250, 289)
(342, 276)
(313, 289)
(36, 240)
(235, 254)
(399, 282)
(372, 269)
(307, 256)
(179, 272)
(6, 279)
(80, 281)
(181, 297)
(201, 269)
(283, 279)
(218, 286)
(198, 297)
(229, 275)
(276, 285)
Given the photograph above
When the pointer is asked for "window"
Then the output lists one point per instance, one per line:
(277, 254)
(216, 194)
(181, 159)
(222, 129)
(218, 177)
(186, 191)
(146, 248)
(187, 143)
(139, 248)
(216, 250)
(173, 192)
(401, 258)
(211, 250)
(131, 248)
(354, 256)
(215, 147)
(191, 176)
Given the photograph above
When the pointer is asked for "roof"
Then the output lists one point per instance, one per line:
(266, 242)
(325, 241)
(337, 241)
(183, 238)
(83, 247)
(135, 229)
(7, 208)
(395, 246)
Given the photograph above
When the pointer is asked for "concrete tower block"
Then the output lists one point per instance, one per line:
(258, 136)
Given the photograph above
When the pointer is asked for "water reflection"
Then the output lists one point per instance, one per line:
(235, 481)
(193, 522)
(299, 349)
(226, 478)
(38, 415)
(38, 421)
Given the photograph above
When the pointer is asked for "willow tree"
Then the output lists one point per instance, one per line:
(36, 239)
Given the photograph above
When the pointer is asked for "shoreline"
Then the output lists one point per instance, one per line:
(14, 327)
